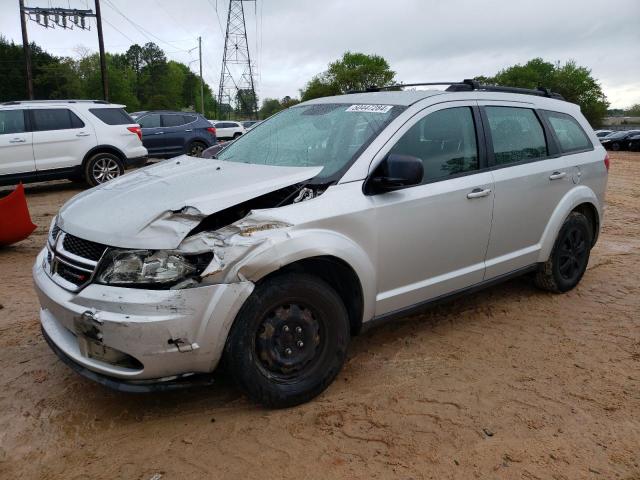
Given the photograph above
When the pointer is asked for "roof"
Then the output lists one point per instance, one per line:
(93, 103)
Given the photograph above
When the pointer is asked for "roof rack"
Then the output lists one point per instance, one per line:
(19, 102)
(470, 85)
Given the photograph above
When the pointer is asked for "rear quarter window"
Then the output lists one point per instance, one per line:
(569, 133)
(112, 116)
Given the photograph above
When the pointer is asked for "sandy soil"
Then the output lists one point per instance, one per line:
(508, 383)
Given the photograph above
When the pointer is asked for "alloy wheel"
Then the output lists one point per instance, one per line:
(572, 254)
(105, 169)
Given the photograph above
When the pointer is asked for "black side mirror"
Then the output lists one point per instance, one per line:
(395, 172)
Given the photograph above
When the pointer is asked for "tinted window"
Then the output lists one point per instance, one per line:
(517, 135)
(190, 118)
(150, 121)
(112, 116)
(172, 120)
(11, 121)
(55, 119)
(569, 132)
(445, 141)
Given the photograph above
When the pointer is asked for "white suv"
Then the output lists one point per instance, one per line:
(76, 139)
(335, 214)
(226, 129)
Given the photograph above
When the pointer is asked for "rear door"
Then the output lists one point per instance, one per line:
(530, 180)
(432, 238)
(152, 133)
(61, 138)
(176, 132)
(16, 144)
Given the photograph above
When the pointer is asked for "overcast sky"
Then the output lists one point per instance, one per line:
(423, 40)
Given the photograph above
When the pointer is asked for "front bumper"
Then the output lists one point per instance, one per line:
(138, 335)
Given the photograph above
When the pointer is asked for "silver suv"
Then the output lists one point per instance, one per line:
(326, 218)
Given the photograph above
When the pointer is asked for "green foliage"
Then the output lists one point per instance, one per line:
(141, 78)
(634, 110)
(271, 106)
(354, 71)
(573, 82)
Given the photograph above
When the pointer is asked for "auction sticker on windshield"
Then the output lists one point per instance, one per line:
(370, 108)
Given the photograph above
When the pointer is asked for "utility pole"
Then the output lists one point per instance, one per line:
(201, 81)
(103, 60)
(67, 19)
(27, 51)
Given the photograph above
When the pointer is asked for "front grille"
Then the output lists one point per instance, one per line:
(72, 274)
(83, 248)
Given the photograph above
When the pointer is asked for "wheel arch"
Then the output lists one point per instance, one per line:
(104, 149)
(580, 199)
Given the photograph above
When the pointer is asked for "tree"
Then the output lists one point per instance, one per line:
(354, 71)
(271, 106)
(634, 110)
(573, 82)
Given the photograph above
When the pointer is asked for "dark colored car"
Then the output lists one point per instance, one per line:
(168, 134)
(212, 152)
(634, 143)
(618, 140)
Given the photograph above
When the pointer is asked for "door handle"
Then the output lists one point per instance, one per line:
(557, 175)
(17, 140)
(189, 130)
(158, 133)
(82, 134)
(478, 193)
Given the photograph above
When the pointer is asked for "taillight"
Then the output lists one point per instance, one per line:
(606, 161)
(211, 130)
(137, 130)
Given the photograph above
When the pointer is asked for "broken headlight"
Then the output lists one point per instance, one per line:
(152, 269)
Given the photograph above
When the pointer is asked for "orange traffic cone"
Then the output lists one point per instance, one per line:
(15, 221)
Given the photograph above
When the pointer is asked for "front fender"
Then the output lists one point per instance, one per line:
(303, 244)
(576, 196)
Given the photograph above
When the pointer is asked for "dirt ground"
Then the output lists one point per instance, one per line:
(507, 383)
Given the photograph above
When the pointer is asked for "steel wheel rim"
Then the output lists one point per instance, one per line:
(288, 341)
(105, 169)
(573, 251)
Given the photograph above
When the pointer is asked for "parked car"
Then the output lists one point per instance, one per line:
(228, 129)
(336, 214)
(212, 152)
(603, 133)
(75, 139)
(633, 143)
(618, 140)
(249, 124)
(168, 134)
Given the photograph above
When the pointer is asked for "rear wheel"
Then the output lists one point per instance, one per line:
(236, 135)
(101, 168)
(569, 257)
(195, 149)
(615, 146)
(289, 340)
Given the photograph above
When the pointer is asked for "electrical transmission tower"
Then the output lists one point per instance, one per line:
(238, 90)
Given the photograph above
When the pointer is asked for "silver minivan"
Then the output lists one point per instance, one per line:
(328, 217)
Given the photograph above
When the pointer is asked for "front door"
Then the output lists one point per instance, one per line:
(16, 145)
(432, 238)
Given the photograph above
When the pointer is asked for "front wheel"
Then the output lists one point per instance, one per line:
(615, 146)
(289, 340)
(101, 168)
(569, 257)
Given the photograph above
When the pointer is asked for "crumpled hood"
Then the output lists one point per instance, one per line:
(156, 207)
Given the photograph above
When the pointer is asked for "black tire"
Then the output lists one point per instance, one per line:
(569, 257)
(236, 135)
(101, 168)
(196, 148)
(264, 353)
(615, 146)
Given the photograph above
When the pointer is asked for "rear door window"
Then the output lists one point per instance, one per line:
(149, 121)
(517, 135)
(112, 116)
(171, 120)
(46, 119)
(569, 132)
(12, 121)
(189, 118)
(445, 141)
